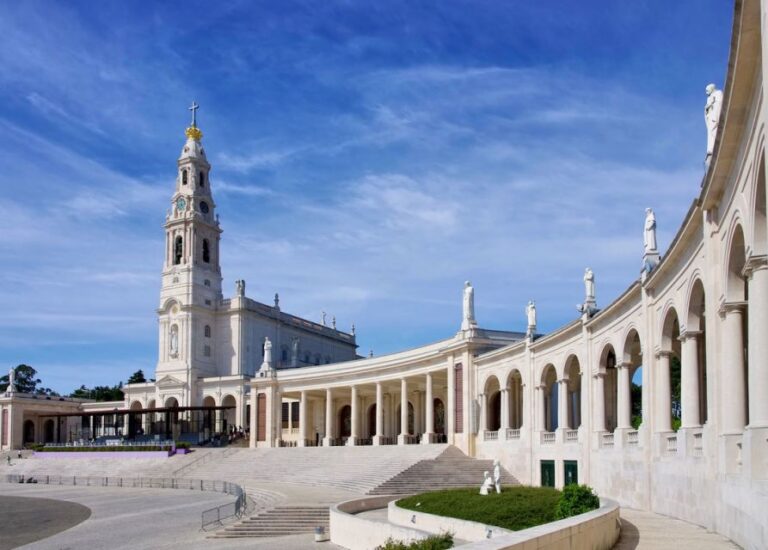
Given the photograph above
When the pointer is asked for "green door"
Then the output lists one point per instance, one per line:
(547, 473)
(571, 470)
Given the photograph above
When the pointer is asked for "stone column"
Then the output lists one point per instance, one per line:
(562, 404)
(624, 399)
(599, 403)
(450, 404)
(482, 424)
(542, 407)
(403, 412)
(504, 424)
(254, 418)
(417, 398)
(689, 380)
(303, 419)
(734, 415)
(328, 418)
(758, 341)
(355, 417)
(430, 412)
(379, 433)
(663, 393)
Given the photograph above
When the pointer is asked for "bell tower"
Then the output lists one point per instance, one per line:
(191, 280)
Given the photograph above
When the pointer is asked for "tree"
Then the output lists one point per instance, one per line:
(26, 382)
(137, 377)
(100, 393)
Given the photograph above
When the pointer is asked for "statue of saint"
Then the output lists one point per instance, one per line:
(267, 364)
(468, 310)
(589, 285)
(174, 341)
(497, 475)
(324, 316)
(712, 116)
(240, 288)
(277, 300)
(11, 380)
(649, 237)
(530, 311)
(487, 483)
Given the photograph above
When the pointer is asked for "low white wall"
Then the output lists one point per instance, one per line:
(597, 530)
(461, 529)
(357, 533)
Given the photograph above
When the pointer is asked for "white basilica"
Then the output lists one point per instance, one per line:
(554, 408)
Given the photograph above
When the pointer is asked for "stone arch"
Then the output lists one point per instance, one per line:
(668, 372)
(49, 434)
(694, 358)
(632, 359)
(515, 398)
(572, 375)
(735, 282)
(735, 333)
(549, 393)
(209, 426)
(29, 431)
(608, 362)
(492, 391)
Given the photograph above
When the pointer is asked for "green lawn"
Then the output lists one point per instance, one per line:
(515, 508)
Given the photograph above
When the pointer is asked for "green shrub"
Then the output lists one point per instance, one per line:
(576, 499)
(435, 542)
(183, 445)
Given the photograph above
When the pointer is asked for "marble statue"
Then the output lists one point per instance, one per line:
(530, 311)
(712, 116)
(589, 285)
(277, 301)
(240, 288)
(174, 341)
(295, 352)
(11, 380)
(468, 309)
(649, 237)
(324, 316)
(333, 322)
(266, 365)
(487, 483)
(497, 475)
(353, 329)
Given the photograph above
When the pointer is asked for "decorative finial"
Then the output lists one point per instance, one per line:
(333, 322)
(370, 353)
(277, 300)
(353, 329)
(193, 132)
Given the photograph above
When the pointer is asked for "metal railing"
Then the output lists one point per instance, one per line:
(234, 509)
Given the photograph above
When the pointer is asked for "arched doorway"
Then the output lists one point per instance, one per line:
(632, 358)
(493, 404)
(228, 416)
(573, 387)
(172, 429)
(345, 421)
(515, 389)
(693, 381)
(29, 431)
(610, 386)
(668, 375)
(548, 406)
(134, 420)
(209, 417)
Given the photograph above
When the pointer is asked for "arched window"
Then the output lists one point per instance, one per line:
(284, 354)
(206, 251)
(202, 179)
(184, 177)
(178, 250)
(207, 331)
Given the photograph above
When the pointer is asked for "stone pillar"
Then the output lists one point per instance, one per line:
(562, 404)
(599, 403)
(450, 404)
(482, 424)
(379, 433)
(624, 398)
(663, 393)
(254, 418)
(403, 412)
(758, 341)
(542, 407)
(429, 412)
(303, 419)
(504, 424)
(328, 418)
(355, 420)
(734, 415)
(417, 424)
(689, 380)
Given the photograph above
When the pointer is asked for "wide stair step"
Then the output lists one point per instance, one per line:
(451, 469)
(279, 522)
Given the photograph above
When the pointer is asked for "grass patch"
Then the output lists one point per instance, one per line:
(514, 509)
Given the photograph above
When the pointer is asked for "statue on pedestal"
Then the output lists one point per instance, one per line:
(11, 380)
(266, 365)
(649, 236)
(589, 285)
(174, 341)
(240, 288)
(530, 312)
(468, 307)
(712, 110)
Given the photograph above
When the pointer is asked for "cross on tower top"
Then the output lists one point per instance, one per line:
(194, 107)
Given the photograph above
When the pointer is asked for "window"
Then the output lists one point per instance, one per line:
(184, 177)
(178, 250)
(206, 251)
(207, 282)
(202, 179)
(207, 302)
(295, 414)
(285, 415)
(207, 331)
(207, 350)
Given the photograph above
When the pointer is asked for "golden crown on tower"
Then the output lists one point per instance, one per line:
(194, 132)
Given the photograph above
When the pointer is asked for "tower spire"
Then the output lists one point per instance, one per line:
(194, 107)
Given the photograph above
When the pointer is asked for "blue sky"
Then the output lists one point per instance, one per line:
(367, 159)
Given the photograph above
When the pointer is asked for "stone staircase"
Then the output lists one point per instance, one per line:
(451, 469)
(278, 522)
